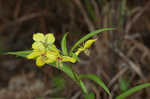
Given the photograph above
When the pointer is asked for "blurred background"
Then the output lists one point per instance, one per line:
(120, 57)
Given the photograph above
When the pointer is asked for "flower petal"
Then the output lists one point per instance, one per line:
(68, 59)
(51, 57)
(33, 55)
(50, 60)
(89, 43)
(38, 37)
(49, 38)
(40, 61)
(87, 52)
(53, 48)
(38, 46)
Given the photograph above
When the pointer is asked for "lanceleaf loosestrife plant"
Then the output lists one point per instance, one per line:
(44, 51)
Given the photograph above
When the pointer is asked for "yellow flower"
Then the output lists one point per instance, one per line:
(85, 47)
(43, 49)
(45, 52)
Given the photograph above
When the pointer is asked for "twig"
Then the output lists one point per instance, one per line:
(76, 96)
(17, 9)
(20, 20)
(87, 20)
(114, 79)
(136, 17)
(134, 66)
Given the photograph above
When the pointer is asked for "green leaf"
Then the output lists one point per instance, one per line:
(132, 90)
(66, 69)
(64, 45)
(124, 84)
(20, 53)
(83, 87)
(97, 80)
(87, 37)
(90, 96)
(58, 83)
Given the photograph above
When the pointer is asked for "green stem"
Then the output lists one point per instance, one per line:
(78, 80)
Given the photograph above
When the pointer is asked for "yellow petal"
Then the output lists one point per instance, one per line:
(79, 51)
(49, 38)
(38, 46)
(51, 57)
(33, 55)
(51, 53)
(38, 37)
(40, 61)
(53, 48)
(50, 60)
(89, 43)
(68, 59)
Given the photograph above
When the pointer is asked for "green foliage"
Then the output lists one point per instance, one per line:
(83, 87)
(20, 53)
(64, 45)
(58, 83)
(89, 35)
(124, 84)
(50, 98)
(66, 69)
(97, 80)
(90, 96)
(132, 90)
(90, 10)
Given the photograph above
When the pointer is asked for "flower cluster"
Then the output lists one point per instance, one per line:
(45, 51)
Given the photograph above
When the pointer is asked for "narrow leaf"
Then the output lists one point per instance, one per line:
(90, 96)
(132, 90)
(20, 53)
(124, 84)
(87, 37)
(97, 80)
(64, 45)
(83, 87)
(66, 69)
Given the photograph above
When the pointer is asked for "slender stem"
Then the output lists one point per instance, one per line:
(78, 80)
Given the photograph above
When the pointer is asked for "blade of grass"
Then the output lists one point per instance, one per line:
(124, 84)
(90, 96)
(83, 87)
(97, 80)
(20, 53)
(132, 90)
(90, 10)
(87, 37)
(64, 45)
